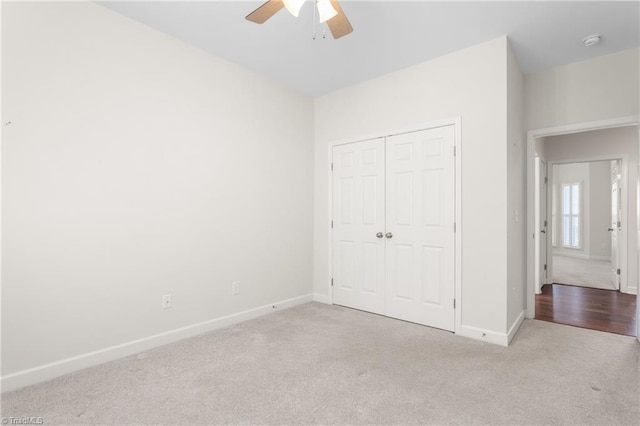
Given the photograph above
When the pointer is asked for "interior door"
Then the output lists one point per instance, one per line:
(543, 223)
(358, 225)
(420, 236)
(614, 229)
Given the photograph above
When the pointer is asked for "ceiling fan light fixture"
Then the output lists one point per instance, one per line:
(326, 10)
(293, 6)
(330, 12)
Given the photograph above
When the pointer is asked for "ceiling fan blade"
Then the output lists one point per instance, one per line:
(339, 24)
(265, 11)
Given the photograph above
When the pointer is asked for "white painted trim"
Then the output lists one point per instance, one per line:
(459, 225)
(532, 135)
(329, 169)
(513, 330)
(537, 218)
(396, 131)
(457, 123)
(322, 298)
(485, 335)
(55, 369)
(584, 127)
(579, 255)
(575, 255)
(531, 228)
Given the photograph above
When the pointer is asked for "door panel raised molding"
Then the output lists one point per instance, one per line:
(393, 233)
(358, 216)
(421, 212)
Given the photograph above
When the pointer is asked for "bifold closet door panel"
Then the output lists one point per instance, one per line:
(358, 252)
(420, 214)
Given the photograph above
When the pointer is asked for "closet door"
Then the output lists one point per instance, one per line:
(358, 225)
(420, 236)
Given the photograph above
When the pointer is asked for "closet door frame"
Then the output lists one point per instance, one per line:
(456, 122)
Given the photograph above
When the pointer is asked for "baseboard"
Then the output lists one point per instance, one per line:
(484, 335)
(515, 326)
(322, 298)
(59, 368)
(571, 254)
(580, 255)
(600, 258)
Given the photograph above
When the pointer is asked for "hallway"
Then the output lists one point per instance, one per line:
(596, 309)
(582, 272)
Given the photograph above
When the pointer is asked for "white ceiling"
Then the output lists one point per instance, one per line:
(389, 35)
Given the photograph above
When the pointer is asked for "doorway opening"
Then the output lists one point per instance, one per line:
(586, 223)
(583, 228)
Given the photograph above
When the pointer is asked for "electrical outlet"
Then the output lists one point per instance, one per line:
(166, 301)
(235, 288)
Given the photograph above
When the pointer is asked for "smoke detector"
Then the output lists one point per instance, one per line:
(592, 40)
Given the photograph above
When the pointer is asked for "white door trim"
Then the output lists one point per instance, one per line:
(538, 218)
(457, 123)
(532, 135)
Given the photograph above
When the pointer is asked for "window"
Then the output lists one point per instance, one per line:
(571, 215)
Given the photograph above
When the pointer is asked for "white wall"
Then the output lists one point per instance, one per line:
(540, 149)
(470, 84)
(597, 89)
(621, 142)
(516, 215)
(138, 166)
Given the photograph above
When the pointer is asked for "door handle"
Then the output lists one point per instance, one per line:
(543, 231)
(610, 229)
(379, 235)
(389, 235)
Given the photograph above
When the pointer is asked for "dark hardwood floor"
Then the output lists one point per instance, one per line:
(604, 310)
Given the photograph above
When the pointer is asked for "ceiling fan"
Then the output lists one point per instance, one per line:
(329, 11)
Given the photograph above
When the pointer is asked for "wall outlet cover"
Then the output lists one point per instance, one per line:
(166, 301)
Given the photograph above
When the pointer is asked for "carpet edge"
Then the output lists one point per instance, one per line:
(65, 366)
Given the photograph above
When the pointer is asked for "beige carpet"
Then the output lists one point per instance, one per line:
(318, 364)
(582, 272)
